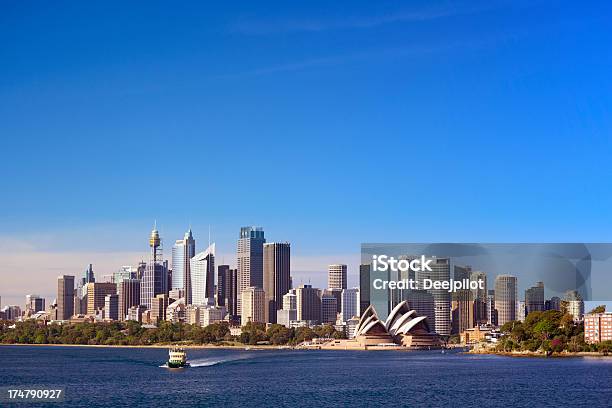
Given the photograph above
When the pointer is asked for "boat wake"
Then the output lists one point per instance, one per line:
(209, 362)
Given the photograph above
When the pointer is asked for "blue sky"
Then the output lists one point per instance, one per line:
(327, 124)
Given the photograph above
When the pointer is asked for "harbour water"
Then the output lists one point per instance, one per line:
(99, 377)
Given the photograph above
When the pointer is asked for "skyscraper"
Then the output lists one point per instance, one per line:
(129, 295)
(440, 271)
(96, 295)
(154, 279)
(227, 289)
(350, 304)
(336, 276)
(276, 282)
(328, 307)
(65, 297)
(462, 302)
(203, 277)
(253, 305)
(250, 259)
(534, 298)
(34, 303)
(308, 302)
(111, 306)
(88, 276)
(480, 298)
(505, 298)
(364, 287)
(182, 252)
(573, 304)
(222, 271)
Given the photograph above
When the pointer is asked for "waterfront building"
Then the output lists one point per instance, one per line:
(227, 289)
(597, 327)
(480, 298)
(422, 302)
(505, 298)
(284, 317)
(364, 287)
(462, 311)
(440, 271)
(203, 277)
(129, 296)
(534, 298)
(521, 311)
(253, 305)
(211, 314)
(182, 252)
(111, 307)
(96, 294)
(329, 307)
(175, 312)
(308, 303)
(276, 276)
(336, 276)
(349, 304)
(135, 313)
(155, 277)
(65, 297)
(573, 304)
(11, 312)
(249, 260)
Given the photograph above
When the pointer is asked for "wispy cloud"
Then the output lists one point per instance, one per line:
(261, 27)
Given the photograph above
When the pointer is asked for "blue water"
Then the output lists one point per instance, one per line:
(99, 377)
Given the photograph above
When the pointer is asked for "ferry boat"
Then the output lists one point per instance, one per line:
(177, 358)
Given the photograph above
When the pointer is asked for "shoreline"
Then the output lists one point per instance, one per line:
(160, 346)
(533, 354)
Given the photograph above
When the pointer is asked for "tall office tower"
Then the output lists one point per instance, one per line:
(422, 302)
(276, 282)
(480, 298)
(328, 307)
(336, 276)
(96, 294)
(290, 300)
(125, 272)
(250, 259)
(462, 304)
(350, 304)
(142, 268)
(34, 303)
(222, 271)
(491, 311)
(364, 287)
(88, 276)
(505, 298)
(573, 304)
(308, 302)
(440, 271)
(554, 303)
(111, 307)
(159, 306)
(521, 311)
(65, 297)
(182, 252)
(203, 277)
(534, 298)
(154, 279)
(129, 295)
(253, 305)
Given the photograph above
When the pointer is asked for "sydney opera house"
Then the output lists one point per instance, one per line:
(402, 329)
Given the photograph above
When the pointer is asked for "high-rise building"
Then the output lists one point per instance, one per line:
(336, 276)
(573, 304)
(350, 304)
(182, 252)
(96, 294)
(288, 313)
(422, 302)
(159, 306)
(329, 308)
(277, 275)
(491, 311)
(554, 303)
(34, 303)
(155, 277)
(505, 298)
(534, 298)
(364, 287)
(203, 277)
(480, 298)
(65, 297)
(111, 306)
(521, 310)
(129, 296)
(597, 327)
(227, 289)
(462, 302)
(250, 260)
(308, 302)
(253, 305)
(440, 271)
(88, 276)
(125, 272)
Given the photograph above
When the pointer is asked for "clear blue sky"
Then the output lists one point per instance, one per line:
(329, 124)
